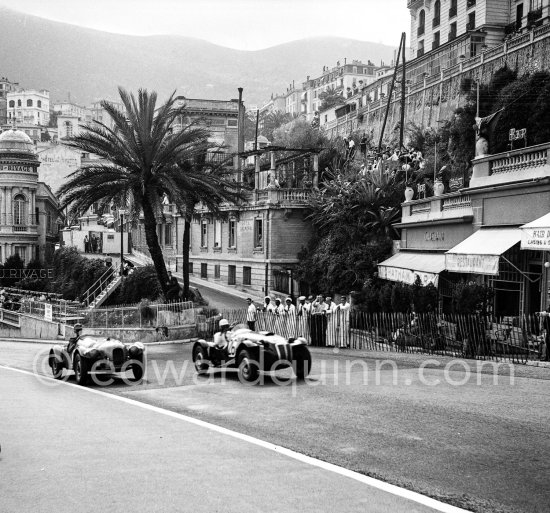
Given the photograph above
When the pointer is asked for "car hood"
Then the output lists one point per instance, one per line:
(254, 336)
(103, 343)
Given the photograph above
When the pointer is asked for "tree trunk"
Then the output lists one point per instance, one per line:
(185, 251)
(150, 225)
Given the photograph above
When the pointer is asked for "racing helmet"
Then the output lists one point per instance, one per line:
(224, 322)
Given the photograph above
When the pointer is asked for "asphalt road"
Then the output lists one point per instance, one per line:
(467, 440)
(219, 299)
(68, 449)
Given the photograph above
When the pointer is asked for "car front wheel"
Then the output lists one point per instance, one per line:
(302, 362)
(80, 370)
(248, 366)
(57, 368)
(137, 369)
(200, 360)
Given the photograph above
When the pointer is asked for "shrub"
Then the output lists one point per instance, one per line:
(12, 262)
(141, 284)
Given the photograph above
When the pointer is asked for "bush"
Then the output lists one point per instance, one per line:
(471, 298)
(401, 298)
(141, 284)
(12, 262)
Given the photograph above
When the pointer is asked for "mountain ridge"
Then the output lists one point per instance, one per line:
(90, 64)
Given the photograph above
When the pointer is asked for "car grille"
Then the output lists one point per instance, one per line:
(118, 356)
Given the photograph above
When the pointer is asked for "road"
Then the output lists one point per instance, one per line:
(219, 299)
(66, 449)
(467, 440)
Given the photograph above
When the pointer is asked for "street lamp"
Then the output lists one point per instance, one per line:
(121, 213)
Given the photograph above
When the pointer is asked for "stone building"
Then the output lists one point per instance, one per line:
(29, 107)
(496, 231)
(28, 208)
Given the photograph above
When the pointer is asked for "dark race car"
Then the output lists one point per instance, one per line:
(250, 351)
(95, 354)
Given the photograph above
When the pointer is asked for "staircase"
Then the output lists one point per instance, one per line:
(97, 294)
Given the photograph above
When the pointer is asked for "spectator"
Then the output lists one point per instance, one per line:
(251, 314)
(173, 288)
(318, 322)
(363, 146)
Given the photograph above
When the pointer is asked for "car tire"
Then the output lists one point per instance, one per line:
(57, 368)
(248, 366)
(80, 370)
(302, 362)
(137, 369)
(200, 360)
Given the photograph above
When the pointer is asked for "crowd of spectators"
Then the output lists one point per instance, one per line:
(318, 319)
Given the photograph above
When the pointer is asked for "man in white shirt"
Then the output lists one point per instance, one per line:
(251, 314)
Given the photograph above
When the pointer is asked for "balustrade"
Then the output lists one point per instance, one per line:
(524, 160)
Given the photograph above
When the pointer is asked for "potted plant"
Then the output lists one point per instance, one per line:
(409, 191)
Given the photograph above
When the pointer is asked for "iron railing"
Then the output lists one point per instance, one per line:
(99, 286)
(516, 339)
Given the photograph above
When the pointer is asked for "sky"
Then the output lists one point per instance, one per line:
(240, 24)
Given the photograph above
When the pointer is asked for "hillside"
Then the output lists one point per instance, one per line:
(90, 64)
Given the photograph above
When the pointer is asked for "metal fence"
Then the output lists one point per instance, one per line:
(139, 316)
(516, 339)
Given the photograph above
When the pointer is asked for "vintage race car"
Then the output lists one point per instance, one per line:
(250, 351)
(98, 355)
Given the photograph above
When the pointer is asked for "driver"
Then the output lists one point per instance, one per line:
(73, 340)
(221, 342)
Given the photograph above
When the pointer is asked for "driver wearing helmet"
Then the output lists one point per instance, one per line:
(221, 342)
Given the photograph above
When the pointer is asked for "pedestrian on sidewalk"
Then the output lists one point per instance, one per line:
(251, 314)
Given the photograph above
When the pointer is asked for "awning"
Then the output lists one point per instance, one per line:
(480, 252)
(536, 234)
(405, 266)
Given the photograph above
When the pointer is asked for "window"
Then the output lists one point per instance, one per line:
(453, 9)
(12, 103)
(19, 103)
(204, 271)
(39, 103)
(420, 51)
(37, 215)
(232, 122)
(232, 233)
(258, 233)
(247, 275)
(421, 22)
(204, 234)
(231, 275)
(355, 70)
(217, 234)
(470, 3)
(19, 210)
(452, 31)
(217, 271)
(437, 14)
(21, 251)
(49, 224)
(167, 234)
(68, 129)
(435, 42)
(471, 21)
(190, 267)
(29, 103)
(535, 4)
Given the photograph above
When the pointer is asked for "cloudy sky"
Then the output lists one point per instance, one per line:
(242, 24)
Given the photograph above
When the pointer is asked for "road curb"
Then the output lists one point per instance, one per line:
(57, 341)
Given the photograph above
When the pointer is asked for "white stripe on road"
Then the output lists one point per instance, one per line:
(370, 481)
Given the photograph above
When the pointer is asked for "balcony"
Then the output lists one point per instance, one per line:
(529, 163)
(447, 207)
(283, 197)
(420, 30)
(436, 22)
(17, 224)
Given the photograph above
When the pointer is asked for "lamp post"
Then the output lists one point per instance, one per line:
(121, 213)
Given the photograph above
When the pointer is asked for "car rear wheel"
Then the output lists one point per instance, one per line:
(248, 367)
(200, 360)
(57, 368)
(80, 370)
(302, 362)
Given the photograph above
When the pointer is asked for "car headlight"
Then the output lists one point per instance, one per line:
(136, 349)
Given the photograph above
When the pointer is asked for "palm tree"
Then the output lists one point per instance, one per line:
(140, 159)
(202, 182)
(330, 97)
